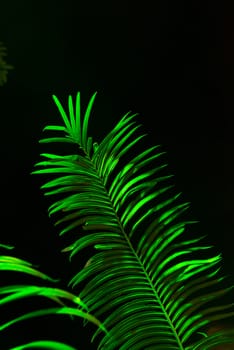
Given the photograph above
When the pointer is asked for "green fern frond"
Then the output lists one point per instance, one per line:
(146, 280)
(75, 131)
(66, 302)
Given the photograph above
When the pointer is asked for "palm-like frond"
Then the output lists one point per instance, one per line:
(66, 303)
(146, 280)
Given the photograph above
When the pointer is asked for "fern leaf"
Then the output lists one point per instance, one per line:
(66, 302)
(148, 280)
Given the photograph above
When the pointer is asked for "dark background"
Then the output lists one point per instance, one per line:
(171, 61)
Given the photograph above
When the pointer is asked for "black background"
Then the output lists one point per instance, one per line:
(170, 61)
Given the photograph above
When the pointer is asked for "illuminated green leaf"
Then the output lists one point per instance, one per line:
(148, 278)
(44, 344)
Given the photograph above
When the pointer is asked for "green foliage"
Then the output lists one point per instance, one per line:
(150, 283)
(4, 66)
(65, 302)
(144, 278)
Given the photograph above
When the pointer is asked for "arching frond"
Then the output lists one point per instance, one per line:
(44, 344)
(152, 284)
(66, 303)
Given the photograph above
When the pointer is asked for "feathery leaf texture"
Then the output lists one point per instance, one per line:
(10, 294)
(148, 280)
